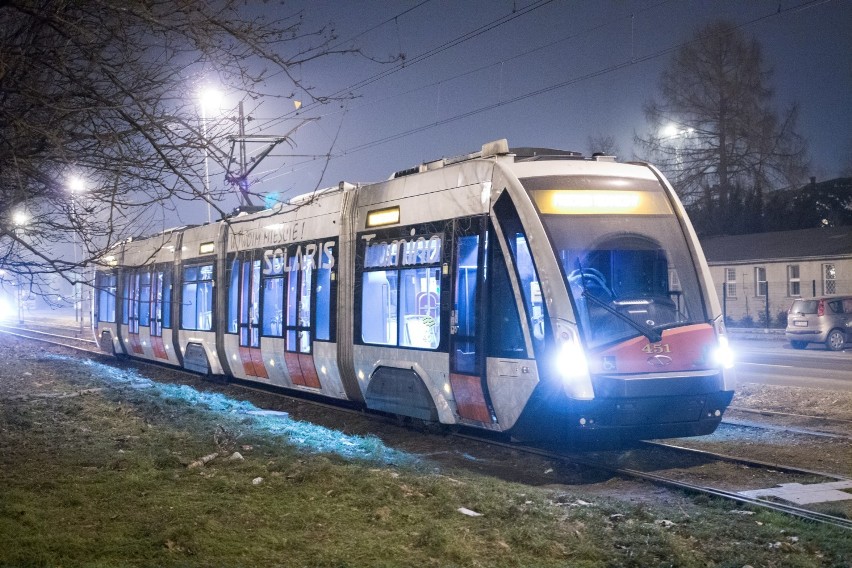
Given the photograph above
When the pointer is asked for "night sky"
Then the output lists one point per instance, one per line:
(552, 75)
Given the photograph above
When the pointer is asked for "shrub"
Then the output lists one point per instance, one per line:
(747, 321)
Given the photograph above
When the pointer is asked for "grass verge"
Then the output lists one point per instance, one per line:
(110, 478)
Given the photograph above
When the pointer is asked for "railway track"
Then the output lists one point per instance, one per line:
(64, 338)
(823, 426)
(605, 461)
(826, 419)
(644, 461)
(756, 425)
(756, 502)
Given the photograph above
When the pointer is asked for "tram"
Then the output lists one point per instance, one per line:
(528, 291)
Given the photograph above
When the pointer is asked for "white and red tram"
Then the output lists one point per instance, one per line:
(528, 291)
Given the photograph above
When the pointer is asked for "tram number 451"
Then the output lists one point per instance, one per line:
(657, 348)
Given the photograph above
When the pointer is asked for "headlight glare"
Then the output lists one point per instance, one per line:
(724, 355)
(571, 364)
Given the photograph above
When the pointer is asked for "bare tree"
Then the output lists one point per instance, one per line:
(602, 144)
(715, 134)
(106, 90)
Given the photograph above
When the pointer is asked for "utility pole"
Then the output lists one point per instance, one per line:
(240, 179)
(243, 180)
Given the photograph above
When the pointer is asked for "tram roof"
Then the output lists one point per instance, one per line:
(518, 155)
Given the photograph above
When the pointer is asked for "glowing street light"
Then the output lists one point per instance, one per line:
(677, 135)
(210, 98)
(674, 131)
(76, 184)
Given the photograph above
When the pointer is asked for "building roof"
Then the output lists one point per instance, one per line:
(824, 242)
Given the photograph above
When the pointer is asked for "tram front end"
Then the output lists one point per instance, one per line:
(639, 349)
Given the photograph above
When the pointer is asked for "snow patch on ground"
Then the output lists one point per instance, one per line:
(304, 435)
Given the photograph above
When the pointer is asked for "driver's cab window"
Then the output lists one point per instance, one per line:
(623, 277)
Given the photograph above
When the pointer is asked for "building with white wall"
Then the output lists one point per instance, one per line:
(778, 267)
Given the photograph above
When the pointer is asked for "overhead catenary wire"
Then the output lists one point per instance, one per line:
(373, 102)
(393, 18)
(409, 62)
(630, 61)
(562, 84)
(470, 35)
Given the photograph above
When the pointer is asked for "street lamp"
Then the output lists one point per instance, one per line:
(670, 131)
(212, 99)
(20, 218)
(675, 132)
(76, 185)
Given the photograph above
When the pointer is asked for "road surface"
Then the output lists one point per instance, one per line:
(774, 362)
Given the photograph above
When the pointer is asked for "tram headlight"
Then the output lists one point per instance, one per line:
(723, 355)
(571, 364)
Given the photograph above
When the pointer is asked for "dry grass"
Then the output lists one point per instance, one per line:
(799, 400)
(106, 478)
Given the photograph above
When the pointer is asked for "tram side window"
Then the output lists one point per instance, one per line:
(197, 308)
(297, 323)
(401, 306)
(145, 298)
(130, 315)
(125, 298)
(106, 297)
(525, 268)
(273, 300)
(467, 272)
(378, 307)
(306, 276)
(305, 279)
(324, 300)
(529, 283)
(250, 304)
(161, 302)
(419, 307)
(234, 297)
(506, 337)
(166, 279)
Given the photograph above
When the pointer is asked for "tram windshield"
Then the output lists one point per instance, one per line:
(623, 254)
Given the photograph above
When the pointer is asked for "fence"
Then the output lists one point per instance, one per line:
(748, 305)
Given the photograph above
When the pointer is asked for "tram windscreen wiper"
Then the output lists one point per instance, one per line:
(653, 335)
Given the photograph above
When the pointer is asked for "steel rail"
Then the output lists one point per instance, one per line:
(48, 339)
(744, 461)
(790, 429)
(777, 413)
(663, 481)
(753, 501)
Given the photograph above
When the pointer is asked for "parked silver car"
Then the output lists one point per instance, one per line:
(820, 320)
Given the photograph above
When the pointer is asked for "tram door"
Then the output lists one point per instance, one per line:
(249, 317)
(132, 311)
(467, 356)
